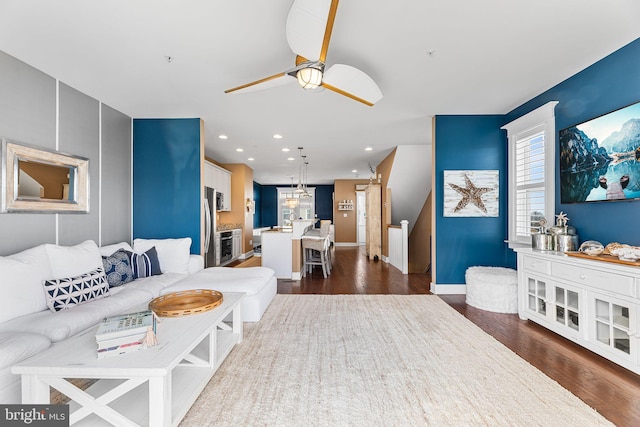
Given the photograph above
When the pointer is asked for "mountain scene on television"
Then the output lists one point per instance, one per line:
(600, 159)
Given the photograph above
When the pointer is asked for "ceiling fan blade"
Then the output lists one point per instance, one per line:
(353, 83)
(307, 25)
(265, 83)
(329, 28)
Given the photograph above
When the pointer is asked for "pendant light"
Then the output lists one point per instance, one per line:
(306, 193)
(291, 201)
(300, 187)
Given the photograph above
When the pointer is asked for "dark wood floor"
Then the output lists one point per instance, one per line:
(353, 273)
(611, 390)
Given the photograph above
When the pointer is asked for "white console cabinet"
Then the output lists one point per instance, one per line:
(591, 302)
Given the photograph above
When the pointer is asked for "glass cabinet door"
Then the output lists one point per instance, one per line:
(537, 295)
(567, 307)
(613, 321)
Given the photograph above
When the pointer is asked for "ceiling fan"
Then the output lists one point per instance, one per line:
(308, 30)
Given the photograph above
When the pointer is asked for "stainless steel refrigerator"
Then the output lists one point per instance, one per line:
(210, 203)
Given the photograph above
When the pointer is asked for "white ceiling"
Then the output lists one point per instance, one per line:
(427, 56)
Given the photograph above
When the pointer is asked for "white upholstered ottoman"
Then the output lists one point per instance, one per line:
(492, 288)
(258, 283)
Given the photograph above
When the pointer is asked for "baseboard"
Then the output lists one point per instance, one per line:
(448, 289)
(296, 275)
(247, 255)
(346, 244)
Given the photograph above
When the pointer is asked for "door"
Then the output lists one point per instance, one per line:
(361, 212)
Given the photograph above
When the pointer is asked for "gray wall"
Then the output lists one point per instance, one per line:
(87, 128)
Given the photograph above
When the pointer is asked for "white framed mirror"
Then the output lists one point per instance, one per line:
(35, 179)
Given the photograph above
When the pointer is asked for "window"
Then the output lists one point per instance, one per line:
(532, 141)
(292, 206)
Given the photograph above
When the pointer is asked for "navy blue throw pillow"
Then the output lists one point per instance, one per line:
(146, 264)
(117, 267)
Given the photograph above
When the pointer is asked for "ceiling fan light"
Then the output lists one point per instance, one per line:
(309, 78)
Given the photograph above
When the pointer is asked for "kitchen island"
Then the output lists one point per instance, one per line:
(281, 249)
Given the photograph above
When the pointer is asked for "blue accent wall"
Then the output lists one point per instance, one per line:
(166, 179)
(324, 202)
(607, 85)
(476, 142)
(269, 208)
(470, 143)
(268, 205)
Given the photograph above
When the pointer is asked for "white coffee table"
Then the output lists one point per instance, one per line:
(190, 349)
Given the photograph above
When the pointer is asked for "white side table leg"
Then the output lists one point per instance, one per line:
(34, 390)
(160, 401)
(237, 322)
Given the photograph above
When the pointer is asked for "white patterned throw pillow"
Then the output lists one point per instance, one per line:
(66, 293)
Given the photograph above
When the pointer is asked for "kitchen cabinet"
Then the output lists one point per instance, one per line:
(593, 303)
(237, 243)
(209, 175)
(220, 179)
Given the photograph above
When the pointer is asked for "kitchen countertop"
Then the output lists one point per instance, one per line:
(279, 230)
(226, 227)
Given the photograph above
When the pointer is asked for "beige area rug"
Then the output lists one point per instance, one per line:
(378, 360)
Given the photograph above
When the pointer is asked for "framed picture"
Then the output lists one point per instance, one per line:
(469, 193)
(36, 179)
(599, 158)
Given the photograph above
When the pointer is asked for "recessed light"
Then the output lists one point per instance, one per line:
(222, 136)
(285, 149)
(368, 149)
(290, 158)
(277, 136)
(251, 159)
(354, 171)
(239, 150)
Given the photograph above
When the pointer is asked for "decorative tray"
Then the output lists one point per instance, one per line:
(605, 258)
(185, 303)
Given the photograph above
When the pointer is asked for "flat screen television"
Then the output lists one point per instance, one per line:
(600, 158)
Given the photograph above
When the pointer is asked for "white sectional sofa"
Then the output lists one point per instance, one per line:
(41, 311)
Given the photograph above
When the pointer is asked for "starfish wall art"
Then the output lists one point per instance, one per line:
(471, 193)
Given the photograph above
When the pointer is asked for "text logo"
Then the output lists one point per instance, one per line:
(34, 415)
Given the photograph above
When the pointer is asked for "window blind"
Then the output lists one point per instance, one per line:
(530, 184)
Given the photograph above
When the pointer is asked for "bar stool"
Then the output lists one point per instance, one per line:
(316, 249)
(314, 252)
(325, 230)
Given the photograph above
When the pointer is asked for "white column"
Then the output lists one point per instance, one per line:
(405, 246)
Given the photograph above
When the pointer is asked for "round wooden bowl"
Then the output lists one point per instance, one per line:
(185, 303)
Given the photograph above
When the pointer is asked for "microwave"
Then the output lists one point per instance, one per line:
(219, 201)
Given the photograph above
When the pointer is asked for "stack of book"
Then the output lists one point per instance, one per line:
(124, 333)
